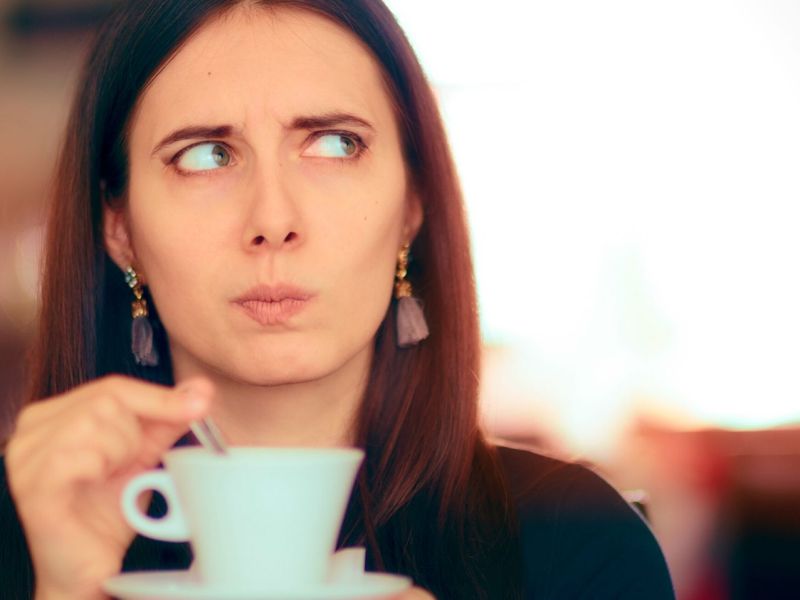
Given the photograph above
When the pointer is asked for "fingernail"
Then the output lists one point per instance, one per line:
(194, 397)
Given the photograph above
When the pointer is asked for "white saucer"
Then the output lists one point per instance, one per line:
(181, 585)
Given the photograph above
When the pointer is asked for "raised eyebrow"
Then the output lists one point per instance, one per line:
(194, 132)
(331, 119)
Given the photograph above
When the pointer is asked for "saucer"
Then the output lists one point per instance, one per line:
(182, 585)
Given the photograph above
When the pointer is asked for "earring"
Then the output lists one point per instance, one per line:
(411, 325)
(144, 351)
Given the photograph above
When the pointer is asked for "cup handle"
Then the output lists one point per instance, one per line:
(172, 527)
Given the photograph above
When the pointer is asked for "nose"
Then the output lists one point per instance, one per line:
(261, 240)
(273, 218)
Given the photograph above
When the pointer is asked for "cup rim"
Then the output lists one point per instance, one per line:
(287, 454)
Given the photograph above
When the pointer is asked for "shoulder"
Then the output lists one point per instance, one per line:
(579, 536)
(16, 571)
(541, 482)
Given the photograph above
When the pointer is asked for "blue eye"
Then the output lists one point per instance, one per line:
(335, 145)
(203, 157)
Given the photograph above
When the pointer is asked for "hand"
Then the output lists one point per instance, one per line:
(68, 460)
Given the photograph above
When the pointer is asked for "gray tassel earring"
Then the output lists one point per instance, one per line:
(411, 325)
(144, 351)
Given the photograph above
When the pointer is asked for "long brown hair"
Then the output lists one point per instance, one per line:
(431, 500)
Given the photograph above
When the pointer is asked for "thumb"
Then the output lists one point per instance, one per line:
(195, 395)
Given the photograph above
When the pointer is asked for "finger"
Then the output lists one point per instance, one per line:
(181, 404)
(41, 411)
(74, 423)
(160, 413)
(109, 432)
(67, 470)
(144, 398)
(117, 434)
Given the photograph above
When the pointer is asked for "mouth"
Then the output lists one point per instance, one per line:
(273, 305)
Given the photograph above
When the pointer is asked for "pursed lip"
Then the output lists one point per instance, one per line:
(273, 304)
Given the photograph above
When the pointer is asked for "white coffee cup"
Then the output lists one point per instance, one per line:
(258, 518)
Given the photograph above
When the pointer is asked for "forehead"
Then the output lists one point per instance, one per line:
(256, 62)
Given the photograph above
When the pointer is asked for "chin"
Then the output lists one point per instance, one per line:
(279, 371)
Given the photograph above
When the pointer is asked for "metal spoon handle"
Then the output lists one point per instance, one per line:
(208, 434)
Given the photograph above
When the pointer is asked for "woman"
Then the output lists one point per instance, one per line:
(235, 199)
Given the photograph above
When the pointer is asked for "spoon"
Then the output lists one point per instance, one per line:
(208, 434)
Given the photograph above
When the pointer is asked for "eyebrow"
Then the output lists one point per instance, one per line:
(332, 119)
(193, 132)
(322, 121)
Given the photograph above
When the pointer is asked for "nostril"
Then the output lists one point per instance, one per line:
(259, 240)
(291, 236)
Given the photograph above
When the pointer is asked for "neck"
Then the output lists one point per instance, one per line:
(316, 413)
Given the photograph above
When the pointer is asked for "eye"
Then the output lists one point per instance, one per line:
(336, 145)
(202, 157)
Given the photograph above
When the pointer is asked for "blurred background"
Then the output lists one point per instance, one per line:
(631, 174)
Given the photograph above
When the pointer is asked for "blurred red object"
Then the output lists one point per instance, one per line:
(726, 507)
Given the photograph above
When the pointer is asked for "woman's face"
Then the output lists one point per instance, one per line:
(268, 198)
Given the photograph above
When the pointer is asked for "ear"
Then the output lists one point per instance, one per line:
(414, 217)
(116, 236)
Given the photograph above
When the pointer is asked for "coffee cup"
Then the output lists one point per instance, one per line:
(257, 518)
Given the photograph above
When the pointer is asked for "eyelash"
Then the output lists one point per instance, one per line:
(204, 173)
(361, 149)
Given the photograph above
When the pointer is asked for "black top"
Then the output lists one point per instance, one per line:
(580, 538)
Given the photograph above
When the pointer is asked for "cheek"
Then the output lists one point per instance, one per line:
(359, 230)
(366, 261)
(174, 246)
(174, 274)
(159, 242)
(175, 220)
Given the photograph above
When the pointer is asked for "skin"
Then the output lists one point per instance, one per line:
(270, 203)
(287, 208)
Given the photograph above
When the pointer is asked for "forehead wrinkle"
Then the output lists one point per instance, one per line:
(298, 24)
(295, 27)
